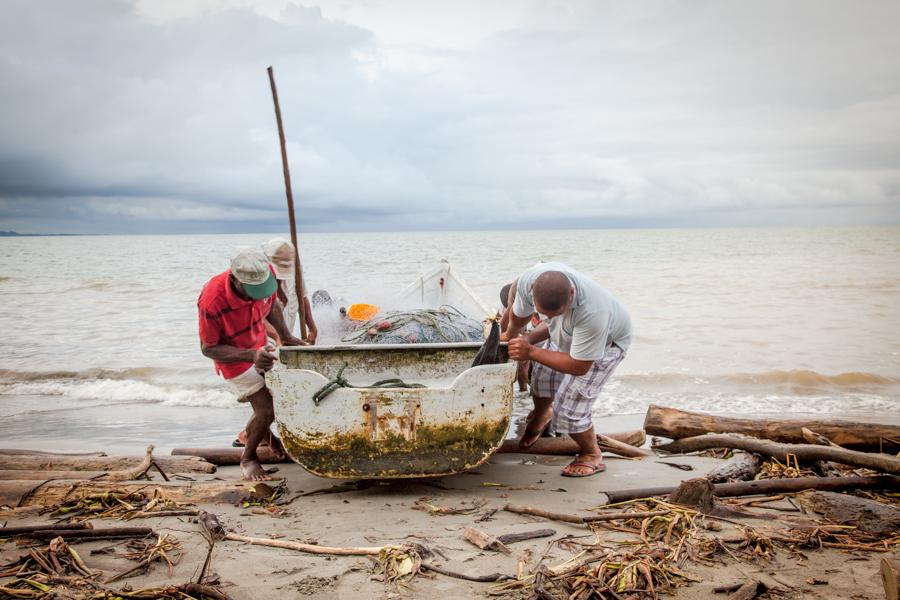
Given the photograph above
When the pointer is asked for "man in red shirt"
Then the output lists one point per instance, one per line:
(233, 309)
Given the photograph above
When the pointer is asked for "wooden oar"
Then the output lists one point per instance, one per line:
(298, 271)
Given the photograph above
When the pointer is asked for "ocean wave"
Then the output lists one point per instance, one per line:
(797, 381)
(121, 391)
(138, 373)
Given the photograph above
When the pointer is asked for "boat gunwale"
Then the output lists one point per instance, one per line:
(377, 347)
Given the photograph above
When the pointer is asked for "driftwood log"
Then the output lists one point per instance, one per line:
(741, 467)
(512, 538)
(578, 519)
(55, 492)
(770, 486)
(107, 533)
(100, 463)
(677, 424)
(26, 529)
(748, 591)
(868, 515)
(29, 452)
(308, 548)
(698, 493)
(551, 446)
(803, 452)
(890, 576)
(623, 443)
(485, 541)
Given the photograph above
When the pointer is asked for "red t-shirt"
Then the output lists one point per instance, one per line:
(226, 318)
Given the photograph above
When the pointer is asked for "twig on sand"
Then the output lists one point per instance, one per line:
(308, 548)
(479, 578)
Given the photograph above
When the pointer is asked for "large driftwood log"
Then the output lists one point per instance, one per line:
(803, 452)
(134, 472)
(677, 424)
(108, 533)
(623, 443)
(55, 492)
(868, 515)
(562, 446)
(25, 529)
(770, 486)
(100, 463)
(741, 467)
(890, 576)
(29, 452)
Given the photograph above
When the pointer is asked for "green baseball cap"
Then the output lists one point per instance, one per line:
(250, 266)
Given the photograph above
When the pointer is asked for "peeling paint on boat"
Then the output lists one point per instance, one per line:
(454, 424)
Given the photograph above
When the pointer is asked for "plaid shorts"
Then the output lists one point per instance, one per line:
(574, 395)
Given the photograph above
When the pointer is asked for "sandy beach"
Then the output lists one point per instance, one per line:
(382, 513)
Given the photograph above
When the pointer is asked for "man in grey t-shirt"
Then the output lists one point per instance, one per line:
(589, 333)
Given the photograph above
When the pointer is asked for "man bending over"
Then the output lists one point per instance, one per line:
(234, 307)
(589, 333)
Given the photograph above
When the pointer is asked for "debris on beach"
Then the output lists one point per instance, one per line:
(433, 509)
(165, 548)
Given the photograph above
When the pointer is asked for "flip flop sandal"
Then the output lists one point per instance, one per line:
(271, 470)
(529, 432)
(594, 469)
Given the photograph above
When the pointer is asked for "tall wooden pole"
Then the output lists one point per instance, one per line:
(298, 272)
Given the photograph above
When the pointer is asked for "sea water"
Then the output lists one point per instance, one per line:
(99, 333)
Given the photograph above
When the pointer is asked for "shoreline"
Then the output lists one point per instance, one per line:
(128, 430)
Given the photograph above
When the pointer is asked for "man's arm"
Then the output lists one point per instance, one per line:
(521, 349)
(262, 359)
(515, 325)
(276, 318)
(312, 332)
(538, 334)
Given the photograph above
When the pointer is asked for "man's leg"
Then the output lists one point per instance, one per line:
(257, 428)
(588, 452)
(573, 411)
(544, 382)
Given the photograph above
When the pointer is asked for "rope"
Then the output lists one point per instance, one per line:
(338, 382)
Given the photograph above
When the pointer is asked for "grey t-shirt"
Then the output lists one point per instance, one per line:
(594, 321)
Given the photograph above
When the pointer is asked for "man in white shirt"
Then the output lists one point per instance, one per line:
(589, 333)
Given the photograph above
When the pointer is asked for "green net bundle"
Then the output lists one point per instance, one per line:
(419, 326)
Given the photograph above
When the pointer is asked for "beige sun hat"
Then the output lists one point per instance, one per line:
(281, 254)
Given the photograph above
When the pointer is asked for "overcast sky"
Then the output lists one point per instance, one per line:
(156, 115)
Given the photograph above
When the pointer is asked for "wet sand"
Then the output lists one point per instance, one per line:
(381, 514)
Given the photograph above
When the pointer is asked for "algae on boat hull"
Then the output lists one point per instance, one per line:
(435, 450)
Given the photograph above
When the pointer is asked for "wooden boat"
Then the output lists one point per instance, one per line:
(454, 422)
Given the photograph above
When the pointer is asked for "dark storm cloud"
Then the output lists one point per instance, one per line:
(156, 116)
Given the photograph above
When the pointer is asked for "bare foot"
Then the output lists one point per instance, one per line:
(253, 471)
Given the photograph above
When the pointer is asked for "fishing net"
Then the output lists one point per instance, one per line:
(419, 326)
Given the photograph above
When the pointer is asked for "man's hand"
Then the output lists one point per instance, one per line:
(264, 359)
(292, 341)
(504, 337)
(520, 349)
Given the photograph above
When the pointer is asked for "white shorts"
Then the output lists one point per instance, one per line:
(247, 383)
